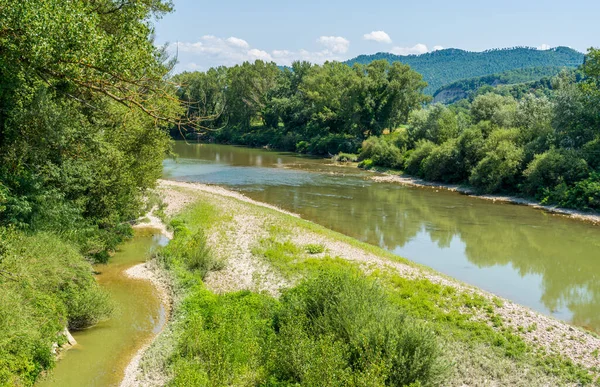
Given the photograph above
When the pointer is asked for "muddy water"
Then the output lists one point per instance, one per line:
(546, 262)
(103, 352)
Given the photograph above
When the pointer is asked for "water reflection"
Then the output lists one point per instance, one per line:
(546, 262)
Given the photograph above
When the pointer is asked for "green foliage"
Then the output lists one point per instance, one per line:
(468, 88)
(314, 248)
(415, 157)
(345, 158)
(321, 110)
(45, 285)
(338, 329)
(553, 168)
(442, 67)
(499, 168)
(381, 152)
(190, 249)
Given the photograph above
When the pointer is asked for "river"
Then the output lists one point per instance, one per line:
(547, 262)
(102, 352)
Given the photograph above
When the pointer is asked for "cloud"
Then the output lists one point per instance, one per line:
(378, 36)
(417, 49)
(437, 48)
(210, 51)
(237, 42)
(544, 47)
(336, 44)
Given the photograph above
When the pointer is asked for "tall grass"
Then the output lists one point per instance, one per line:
(45, 285)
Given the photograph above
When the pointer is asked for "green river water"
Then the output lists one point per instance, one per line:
(547, 262)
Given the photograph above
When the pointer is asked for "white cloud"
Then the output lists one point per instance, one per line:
(437, 48)
(336, 44)
(378, 36)
(255, 54)
(544, 47)
(210, 51)
(237, 42)
(417, 49)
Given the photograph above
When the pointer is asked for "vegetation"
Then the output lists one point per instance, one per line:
(313, 109)
(84, 111)
(540, 147)
(337, 325)
(534, 78)
(442, 67)
(45, 286)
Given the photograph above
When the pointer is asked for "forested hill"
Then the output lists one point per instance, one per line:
(440, 68)
(466, 88)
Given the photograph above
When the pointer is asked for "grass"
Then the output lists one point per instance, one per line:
(45, 285)
(472, 338)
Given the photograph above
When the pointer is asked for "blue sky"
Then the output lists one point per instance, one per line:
(227, 32)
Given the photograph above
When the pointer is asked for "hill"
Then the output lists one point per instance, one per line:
(467, 87)
(440, 68)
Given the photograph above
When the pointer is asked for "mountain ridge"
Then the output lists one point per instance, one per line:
(443, 67)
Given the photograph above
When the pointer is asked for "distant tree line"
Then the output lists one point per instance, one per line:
(307, 108)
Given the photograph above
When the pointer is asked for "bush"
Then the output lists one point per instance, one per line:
(443, 163)
(345, 158)
(337, 329)
(381, 152)
(340, 329)
(332, 144)
(191, 249)
(552, 168)
(415, 158)
(498, 169)
(366, 164)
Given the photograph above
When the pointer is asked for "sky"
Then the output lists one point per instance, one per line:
(206, 34)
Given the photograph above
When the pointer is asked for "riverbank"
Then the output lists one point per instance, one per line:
(593, 218)
(487, 339)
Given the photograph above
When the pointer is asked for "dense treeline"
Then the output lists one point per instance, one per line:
(467, 88)
(547, 148)
(309, 108)
(83, 114)
(442, 67)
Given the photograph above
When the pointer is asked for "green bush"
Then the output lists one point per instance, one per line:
(443, 163)
(381, 152)
(345, 158)
(340, 328)
(191, 249)
(414, 158)
(552, 168)
(498, 169)
(366, 164)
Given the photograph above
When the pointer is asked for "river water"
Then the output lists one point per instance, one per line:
(102, 352)
(547, 262)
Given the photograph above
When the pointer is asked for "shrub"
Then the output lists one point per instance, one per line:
(351, 334)
(366, 164)
(345, 158)
(499, 168)
(443, 163)
(553, 168)
(415, 158)
(381, 152)
(45, 285)
(190, 249)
